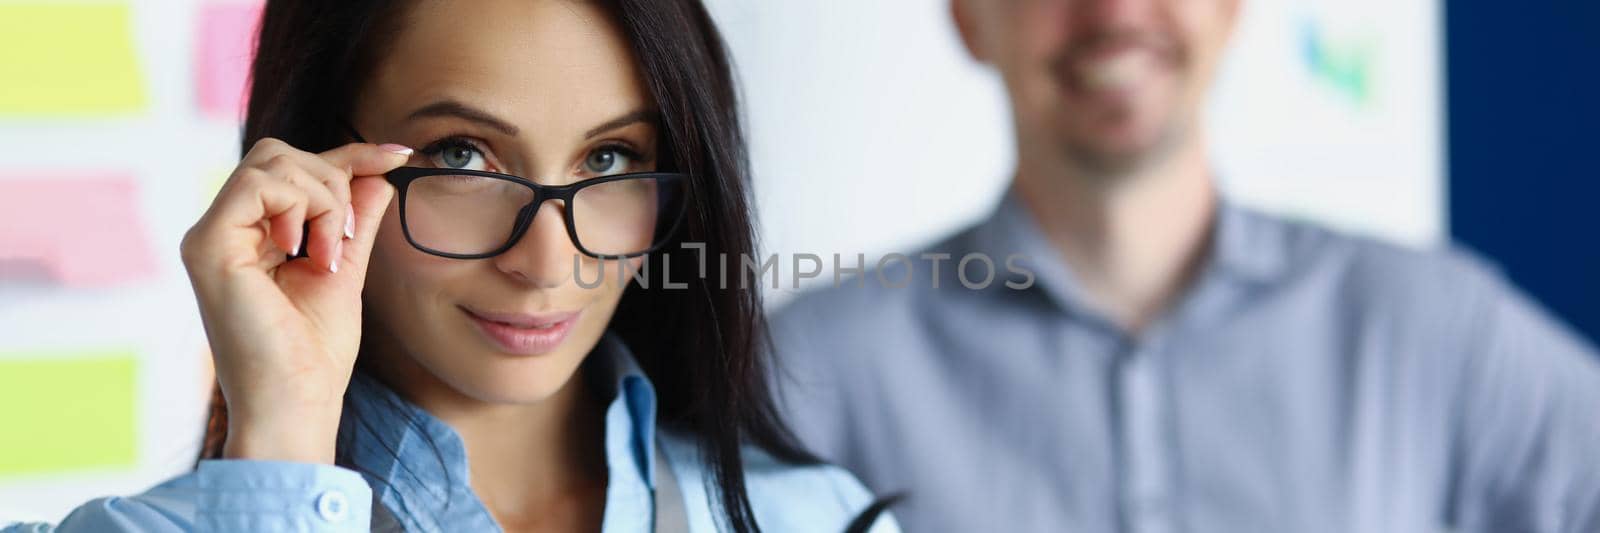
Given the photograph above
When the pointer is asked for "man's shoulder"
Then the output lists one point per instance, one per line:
(847, 306)
(1363, 265)
(1442, 290)
(878, 319)
(891, 293)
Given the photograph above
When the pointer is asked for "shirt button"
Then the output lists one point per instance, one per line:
(333, 506)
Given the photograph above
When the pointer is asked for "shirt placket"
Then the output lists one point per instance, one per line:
(1146, 500)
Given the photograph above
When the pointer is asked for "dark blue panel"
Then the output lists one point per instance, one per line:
(1524, 160)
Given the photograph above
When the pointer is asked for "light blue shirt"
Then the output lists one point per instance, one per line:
(1306, 381)
(425, 485)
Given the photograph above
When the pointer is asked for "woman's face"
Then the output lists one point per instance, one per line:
(547, 90)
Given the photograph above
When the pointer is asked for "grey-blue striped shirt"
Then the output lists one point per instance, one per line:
(1307, 381)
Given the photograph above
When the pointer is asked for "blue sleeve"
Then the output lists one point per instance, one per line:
(807, 498)
(233, 496)
(855, 498)
(1530, 424)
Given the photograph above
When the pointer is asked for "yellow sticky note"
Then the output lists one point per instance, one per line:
(211, 186)
(67, 58)
(67, 411)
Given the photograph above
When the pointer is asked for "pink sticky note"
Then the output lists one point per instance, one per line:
(78, 230)
(224, 47)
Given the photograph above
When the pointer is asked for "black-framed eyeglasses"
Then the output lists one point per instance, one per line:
(473, 214)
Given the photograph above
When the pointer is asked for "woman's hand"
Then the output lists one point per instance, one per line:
(284, 333)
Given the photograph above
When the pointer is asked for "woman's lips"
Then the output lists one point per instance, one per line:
(523, 334)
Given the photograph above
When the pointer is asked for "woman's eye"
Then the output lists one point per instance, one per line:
(457, 154)
(609, 160)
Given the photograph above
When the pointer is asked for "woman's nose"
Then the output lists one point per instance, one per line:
(543, 256)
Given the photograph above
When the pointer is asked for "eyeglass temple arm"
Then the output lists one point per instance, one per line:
(352, 131)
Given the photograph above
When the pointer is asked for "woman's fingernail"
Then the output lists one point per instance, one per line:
(396, 148)
(300, 246)
(350, 221)
(338, 251)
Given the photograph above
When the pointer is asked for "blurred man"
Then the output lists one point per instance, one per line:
(1180, 363)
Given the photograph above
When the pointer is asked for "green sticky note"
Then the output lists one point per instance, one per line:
(64, 58)
(67, 411)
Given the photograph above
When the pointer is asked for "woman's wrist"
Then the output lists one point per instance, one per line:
(308, 438)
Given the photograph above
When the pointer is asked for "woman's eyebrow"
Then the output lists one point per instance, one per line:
(641, 115)
(452, 108)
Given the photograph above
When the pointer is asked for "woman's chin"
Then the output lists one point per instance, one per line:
(512, 381)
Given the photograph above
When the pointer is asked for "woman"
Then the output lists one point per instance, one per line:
(416, 317)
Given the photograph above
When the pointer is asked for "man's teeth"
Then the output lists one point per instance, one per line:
(1121, 71)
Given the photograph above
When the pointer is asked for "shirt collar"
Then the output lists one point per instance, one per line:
(417, 464)
(631, 415)
(1245, 246)
(1249, 246)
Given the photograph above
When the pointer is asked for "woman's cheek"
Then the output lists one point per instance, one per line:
(607, 276)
